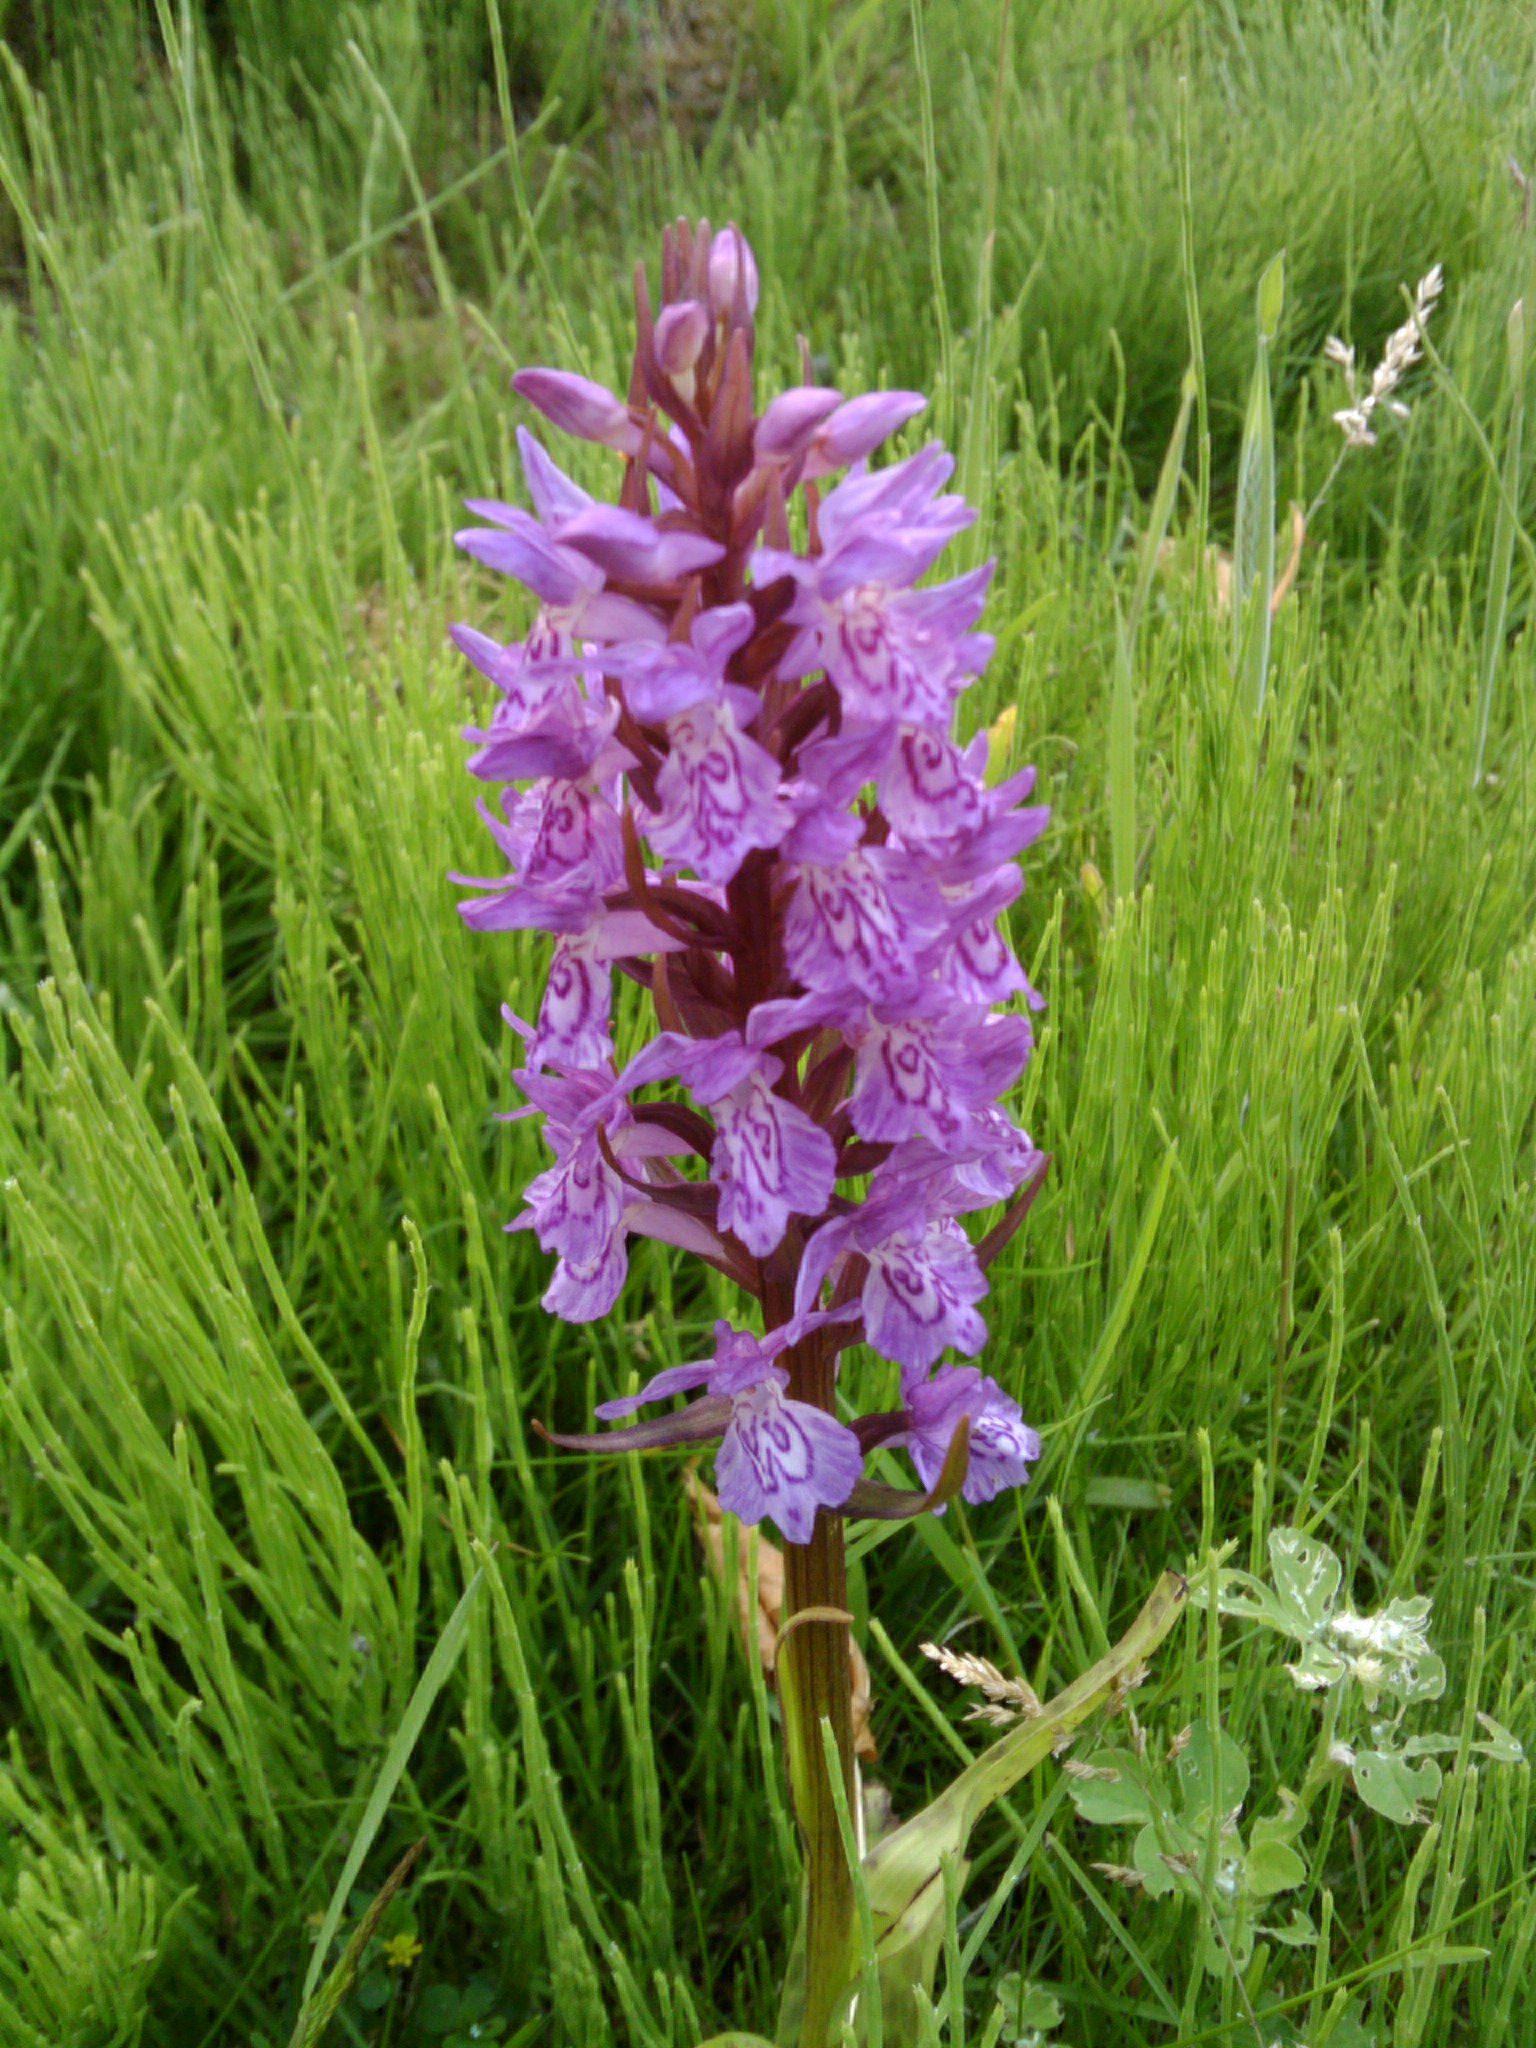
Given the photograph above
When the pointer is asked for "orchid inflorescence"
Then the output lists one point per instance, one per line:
(817, 926)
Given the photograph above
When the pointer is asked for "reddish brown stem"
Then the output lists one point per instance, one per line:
(814, 1686)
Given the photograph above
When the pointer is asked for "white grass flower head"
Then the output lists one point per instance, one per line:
(1006, 1699)
(1404, 348)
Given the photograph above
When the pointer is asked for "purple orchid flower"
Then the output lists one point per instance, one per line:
(676, 676)
(718, 794)
(1002, 1444)
(769, 1160)
(777, 1456)
(922, 1278)
(582, 1208)
(743, 791)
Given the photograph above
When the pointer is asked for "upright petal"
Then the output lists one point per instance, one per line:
(732, 268)
(580, 407)
(555, 497)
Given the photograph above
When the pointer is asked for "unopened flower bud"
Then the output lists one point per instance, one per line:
(727, 253)
(786, 427)
(681, 332)
(580, 407)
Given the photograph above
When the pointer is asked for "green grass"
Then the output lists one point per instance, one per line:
(269, 1362)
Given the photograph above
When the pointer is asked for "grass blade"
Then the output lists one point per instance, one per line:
(1253, 534)
(439, 1666)
(1501, 557)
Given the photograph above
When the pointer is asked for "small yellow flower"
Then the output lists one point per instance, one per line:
(401, 1950)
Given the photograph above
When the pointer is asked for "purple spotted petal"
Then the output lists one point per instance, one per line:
(572, 1028)
(980, 966)
(577, 1204)
(770, 1161)
(784, 1459)
(919, 1293)
(583, 1294)
(861, 923)
(577, 831)
(911, 1082)
(895, 657)
(1003, 1446)
(719, 795)
(931, 797)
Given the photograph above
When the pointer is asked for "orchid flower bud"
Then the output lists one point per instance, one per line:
(728, 256)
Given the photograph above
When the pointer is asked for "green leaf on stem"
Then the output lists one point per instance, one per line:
(904, 1874)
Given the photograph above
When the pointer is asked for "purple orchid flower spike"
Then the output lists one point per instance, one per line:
(741, 789)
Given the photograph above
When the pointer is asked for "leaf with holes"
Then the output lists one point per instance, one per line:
(1307, 1578)
(1395, 1788)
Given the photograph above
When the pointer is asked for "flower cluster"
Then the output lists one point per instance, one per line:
(734, 671)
